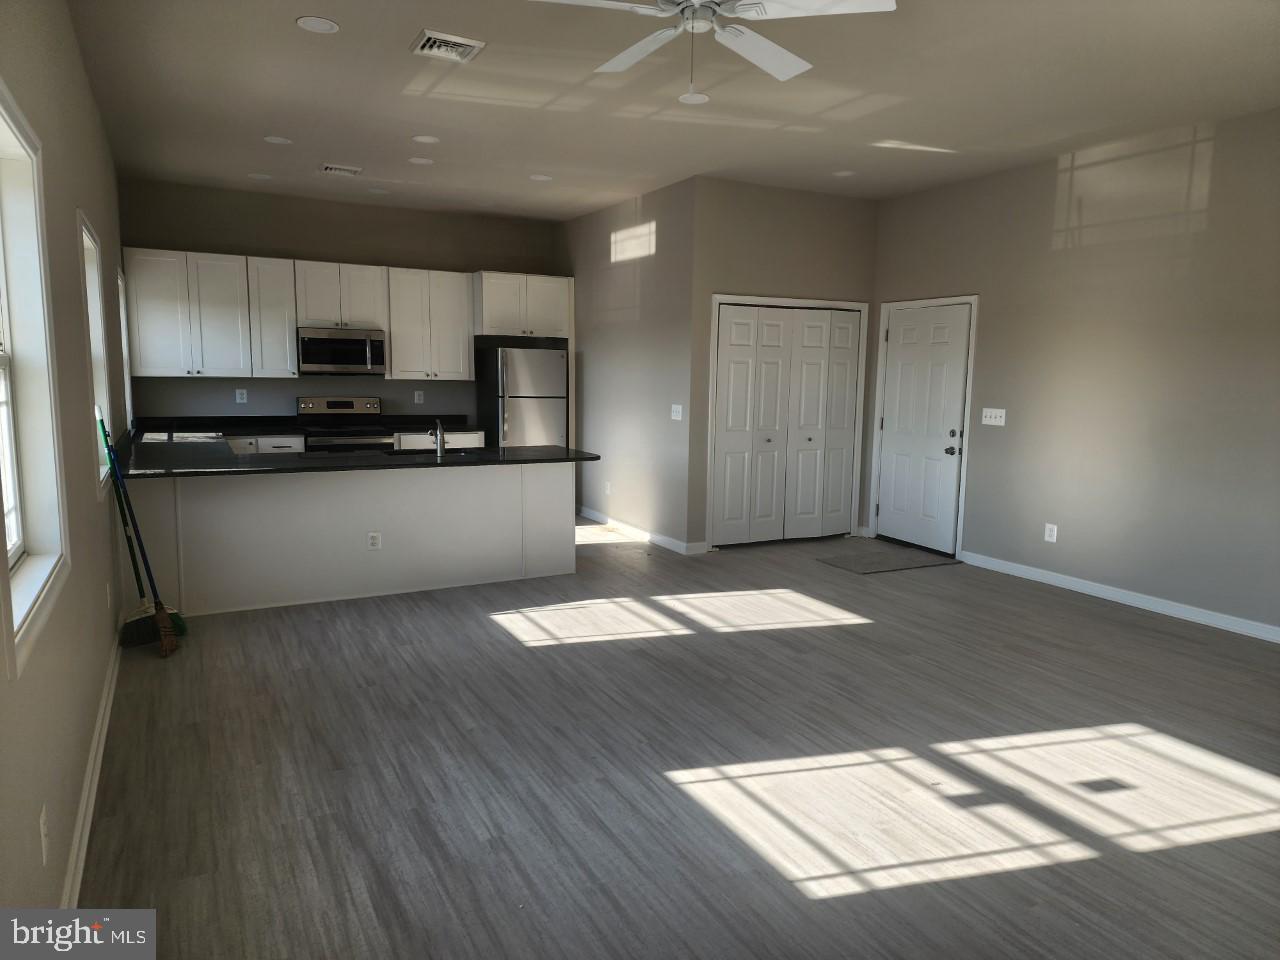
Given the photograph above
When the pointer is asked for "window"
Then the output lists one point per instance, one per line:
(91, 257)
(124, 352)
(30, 447)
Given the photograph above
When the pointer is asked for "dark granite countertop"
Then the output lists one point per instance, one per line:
(212, 458)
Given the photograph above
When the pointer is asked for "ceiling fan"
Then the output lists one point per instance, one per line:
(703, 16)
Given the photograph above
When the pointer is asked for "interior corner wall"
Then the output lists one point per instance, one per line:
(632, 357)
(1137, 355)
(48, 714)
(767, 242)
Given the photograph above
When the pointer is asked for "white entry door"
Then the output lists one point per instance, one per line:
(926, 362)
(806, 429)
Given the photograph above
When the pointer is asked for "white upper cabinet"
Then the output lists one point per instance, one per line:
(515, 304)
(159, 313)
(410, 324)
(364, 296)
(500, 303)
(319, 294)
(548, 306)
(430, 325)
(273, 317)
(452, 355)
(218, 288)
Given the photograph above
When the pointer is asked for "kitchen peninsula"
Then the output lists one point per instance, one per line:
(232, 530)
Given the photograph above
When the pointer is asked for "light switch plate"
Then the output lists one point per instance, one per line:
(993, 416)
(242, 396)
(677, 411)
(1050, 533)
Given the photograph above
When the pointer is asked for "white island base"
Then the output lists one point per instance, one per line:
(241, 542)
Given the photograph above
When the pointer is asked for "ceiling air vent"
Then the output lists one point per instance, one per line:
(442, 46)
(340, 170)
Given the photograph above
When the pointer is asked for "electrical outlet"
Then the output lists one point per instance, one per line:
(608, 488)
(242, 396)
(1050, 533)
(677, 412)
(418, 396)
(375, 540)
(993, 416)
(44, 834)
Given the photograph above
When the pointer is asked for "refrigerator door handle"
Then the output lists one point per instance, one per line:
(502, 420)
(502, 372)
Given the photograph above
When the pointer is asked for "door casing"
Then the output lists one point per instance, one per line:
(719, 299)
(872, 527)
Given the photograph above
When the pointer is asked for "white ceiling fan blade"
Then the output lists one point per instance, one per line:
(641, 8)
(763, 52)
(781, 9)
(636, 52)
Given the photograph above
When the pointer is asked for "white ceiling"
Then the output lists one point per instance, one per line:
(189, 89)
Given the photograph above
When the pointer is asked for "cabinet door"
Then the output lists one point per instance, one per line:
(451, 350)
(273, 317)
(548, 305)
(218, 287)
(159, 313)
(410, 324)
(319, 294)
(364, 296)
(502, 303)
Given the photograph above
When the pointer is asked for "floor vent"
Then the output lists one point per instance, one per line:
(442, 46)
(340, 170)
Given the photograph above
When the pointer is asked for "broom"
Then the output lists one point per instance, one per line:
(151, 622)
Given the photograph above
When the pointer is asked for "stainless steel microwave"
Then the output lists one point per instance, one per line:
(349, 350)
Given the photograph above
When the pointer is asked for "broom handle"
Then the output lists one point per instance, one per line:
(133, 519)
(124, 520)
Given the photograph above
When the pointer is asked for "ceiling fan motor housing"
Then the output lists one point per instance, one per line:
(699, 18)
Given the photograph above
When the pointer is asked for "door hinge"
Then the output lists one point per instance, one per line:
(877, 509)
(882, 423)
(886, 334)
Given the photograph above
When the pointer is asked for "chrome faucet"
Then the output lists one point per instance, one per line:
(440, 441)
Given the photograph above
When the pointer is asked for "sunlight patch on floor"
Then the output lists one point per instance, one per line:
(619, 618)
(1126, 782)
(736, 610)
(853, 822)
(586, 533)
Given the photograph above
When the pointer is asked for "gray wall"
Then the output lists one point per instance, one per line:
(1138, 358)
(767, 242)
(173, 216)
(207, 397)
(48, 715)
(633, 352)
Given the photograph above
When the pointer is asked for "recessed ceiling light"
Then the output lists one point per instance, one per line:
(425, 138)
(378, 190)
(540, 177)
(422, 161)
(317, 25)
(843, 173)
(277, 140)
(259, 176)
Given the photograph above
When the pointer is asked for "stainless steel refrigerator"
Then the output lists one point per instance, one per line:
(522, 386)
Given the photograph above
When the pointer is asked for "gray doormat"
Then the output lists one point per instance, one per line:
(864, 555)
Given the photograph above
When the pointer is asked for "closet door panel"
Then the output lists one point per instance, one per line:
(807, 423)
(769, 436)
(841, 427)
(735, 396)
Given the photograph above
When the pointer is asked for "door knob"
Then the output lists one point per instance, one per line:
(950, 451)
(810, 440)
(952, 433)
(768, 439)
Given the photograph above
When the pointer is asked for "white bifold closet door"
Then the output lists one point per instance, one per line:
(785, 430)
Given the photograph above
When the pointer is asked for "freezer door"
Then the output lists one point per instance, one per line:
(534, 422)
(533, 373)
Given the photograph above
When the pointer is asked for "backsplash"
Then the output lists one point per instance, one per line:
(212, 396)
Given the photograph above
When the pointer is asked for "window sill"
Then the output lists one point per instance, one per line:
(34, 586)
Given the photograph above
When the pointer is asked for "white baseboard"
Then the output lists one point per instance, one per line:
(89, 788)
(667, 543)
(1210, 618)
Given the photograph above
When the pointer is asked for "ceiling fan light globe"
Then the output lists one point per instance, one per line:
(693, 98)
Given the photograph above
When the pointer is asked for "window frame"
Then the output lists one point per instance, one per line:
(87, 233)
(19, 548)
(30, 591)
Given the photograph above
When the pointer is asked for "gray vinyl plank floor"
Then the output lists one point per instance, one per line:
(739, 755)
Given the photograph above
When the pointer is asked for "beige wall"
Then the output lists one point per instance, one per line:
(48, 714)
(633, 352)
(178, 217)
(771, 243)
(1139, 360)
